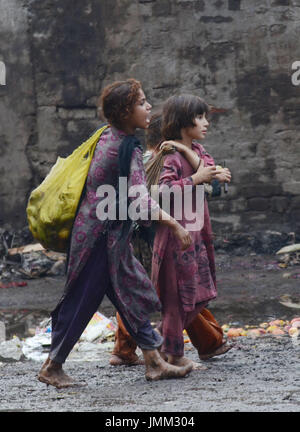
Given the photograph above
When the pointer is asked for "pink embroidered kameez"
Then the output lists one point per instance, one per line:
(185, 279)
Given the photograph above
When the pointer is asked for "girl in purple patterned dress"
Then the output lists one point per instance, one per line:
(101, 259)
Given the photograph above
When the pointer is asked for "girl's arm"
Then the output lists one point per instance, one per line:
(223, 175)
(148, 207)
(171, 174)
(188, 153)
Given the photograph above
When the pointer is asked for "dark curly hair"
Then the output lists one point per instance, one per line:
(117, 100)
(179, 112)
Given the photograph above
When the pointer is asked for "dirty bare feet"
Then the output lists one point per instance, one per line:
(157, 368)
(52, 373)
(224, 348)
(115, 360)
(163, 355)
(184, 361)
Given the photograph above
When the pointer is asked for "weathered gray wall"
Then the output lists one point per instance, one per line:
(237, 54)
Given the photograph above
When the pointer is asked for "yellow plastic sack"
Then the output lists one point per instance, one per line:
(52, 205)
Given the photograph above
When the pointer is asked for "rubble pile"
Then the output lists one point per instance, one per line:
(265, 242)
(22, 260)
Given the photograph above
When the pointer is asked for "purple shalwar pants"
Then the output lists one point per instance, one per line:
(78, 305)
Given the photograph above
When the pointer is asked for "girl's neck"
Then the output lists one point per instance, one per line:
(186, 141)
(125, 129)
(128, 130)
(185, 138)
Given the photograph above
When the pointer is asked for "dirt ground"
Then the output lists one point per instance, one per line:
(258, 375)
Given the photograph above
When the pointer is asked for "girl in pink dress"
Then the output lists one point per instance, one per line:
(185, 279)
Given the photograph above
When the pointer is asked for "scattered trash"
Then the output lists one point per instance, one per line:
(44, 327)
(93, 341)
(295, 322)
(98, 337)
(274, 328)
(89, 351)
(25, 249)
(35, 265)
(36, 348)
(256, 332)
(186, 338)
(235, 332)
(289, 255)
(12, 284)
(30, 262)
(289, 248)
(286, 300)
(11, 350)
(58, 268)
(98, 327)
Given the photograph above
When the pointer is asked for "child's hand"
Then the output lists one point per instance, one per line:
(205, 174)
(224, 176)
(183, 236)
(180, 147)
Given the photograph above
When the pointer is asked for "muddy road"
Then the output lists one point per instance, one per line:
(258, 375)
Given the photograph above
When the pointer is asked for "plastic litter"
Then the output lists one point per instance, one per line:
(37, 347)
(98, 327)
(91, 345)
(290, 248)
(11, 350)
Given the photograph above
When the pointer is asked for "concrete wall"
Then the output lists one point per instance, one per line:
(237, 54)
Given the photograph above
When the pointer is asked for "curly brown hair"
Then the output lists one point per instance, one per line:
(117, 100)
(179, 112)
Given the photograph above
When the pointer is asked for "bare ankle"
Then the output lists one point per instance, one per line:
(53, 365)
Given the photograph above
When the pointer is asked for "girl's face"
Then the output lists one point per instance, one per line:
(198, 132)
(140, 116)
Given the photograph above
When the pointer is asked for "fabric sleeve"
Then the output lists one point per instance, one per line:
(171, 173)
(208, 159)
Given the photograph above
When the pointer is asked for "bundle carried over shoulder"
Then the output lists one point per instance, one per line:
(52, 205)
(154, 166)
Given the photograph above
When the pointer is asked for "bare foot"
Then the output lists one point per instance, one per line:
(184, 361)
(52, 373)
(163, 355)
(157, 368)
(115, 360)
(224, 348)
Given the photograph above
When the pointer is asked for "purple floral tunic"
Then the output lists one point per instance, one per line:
(133, 289)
